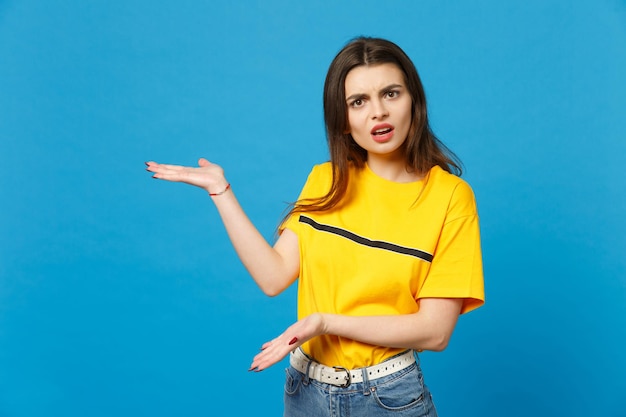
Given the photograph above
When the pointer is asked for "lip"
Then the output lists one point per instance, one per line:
(384, 137)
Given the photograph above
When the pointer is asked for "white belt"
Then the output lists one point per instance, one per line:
(342, 377)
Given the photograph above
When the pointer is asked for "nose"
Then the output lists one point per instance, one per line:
(379, 110)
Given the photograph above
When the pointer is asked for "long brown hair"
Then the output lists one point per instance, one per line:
(423, 149)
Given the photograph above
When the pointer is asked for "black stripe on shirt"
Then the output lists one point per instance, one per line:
(367, 242)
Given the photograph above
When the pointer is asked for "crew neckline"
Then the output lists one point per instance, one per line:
(377, 178)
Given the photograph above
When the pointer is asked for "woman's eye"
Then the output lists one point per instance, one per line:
(357, 103)
(392, 94)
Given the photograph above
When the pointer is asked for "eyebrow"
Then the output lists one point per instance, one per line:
(361, 95)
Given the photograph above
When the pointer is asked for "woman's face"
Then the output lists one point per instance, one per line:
(379, 109)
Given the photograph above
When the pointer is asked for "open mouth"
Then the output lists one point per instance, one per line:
(381, 132)
(381, 129)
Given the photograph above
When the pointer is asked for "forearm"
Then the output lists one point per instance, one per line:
(265, 264)
(426, 330)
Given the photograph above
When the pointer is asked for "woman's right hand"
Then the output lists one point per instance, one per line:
(207, 175)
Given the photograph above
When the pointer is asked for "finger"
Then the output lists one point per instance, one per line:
(170, 167)
(261, 364)
(163, 168)
(269, 359)
(261, 361)
(171, 172)
(150, 165)
(203, 162)
(272, 353)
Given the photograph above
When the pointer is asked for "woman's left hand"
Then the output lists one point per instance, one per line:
(295, 335)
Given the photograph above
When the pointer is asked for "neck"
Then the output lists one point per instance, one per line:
(392, 169)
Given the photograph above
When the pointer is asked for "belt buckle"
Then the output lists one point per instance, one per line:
(348, 378)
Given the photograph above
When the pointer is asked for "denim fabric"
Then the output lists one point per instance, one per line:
(401, 394)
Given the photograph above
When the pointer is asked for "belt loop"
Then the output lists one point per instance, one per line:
(417, 358)
(307, 378)
(366, 381)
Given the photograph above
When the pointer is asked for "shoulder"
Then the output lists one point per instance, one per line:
(453, 188)
(318, 181)
(321, 175)
(448, 182)
(322, 170)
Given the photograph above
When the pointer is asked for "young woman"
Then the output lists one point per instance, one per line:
(384, 240)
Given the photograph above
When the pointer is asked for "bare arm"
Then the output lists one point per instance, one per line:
(428, 329)
(273, 268)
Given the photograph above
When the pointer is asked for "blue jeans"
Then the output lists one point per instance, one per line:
(401, 394)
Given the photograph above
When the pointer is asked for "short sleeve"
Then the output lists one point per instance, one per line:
(316, 186)
(456, 270)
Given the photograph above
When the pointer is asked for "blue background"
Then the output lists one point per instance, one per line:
(121, 295)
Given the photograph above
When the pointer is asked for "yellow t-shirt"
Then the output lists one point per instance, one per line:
(388, 245)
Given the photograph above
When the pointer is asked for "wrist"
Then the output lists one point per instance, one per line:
(217, 191)
(326, 322)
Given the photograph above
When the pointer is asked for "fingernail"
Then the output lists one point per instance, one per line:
(294, 340)
(146, 163)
